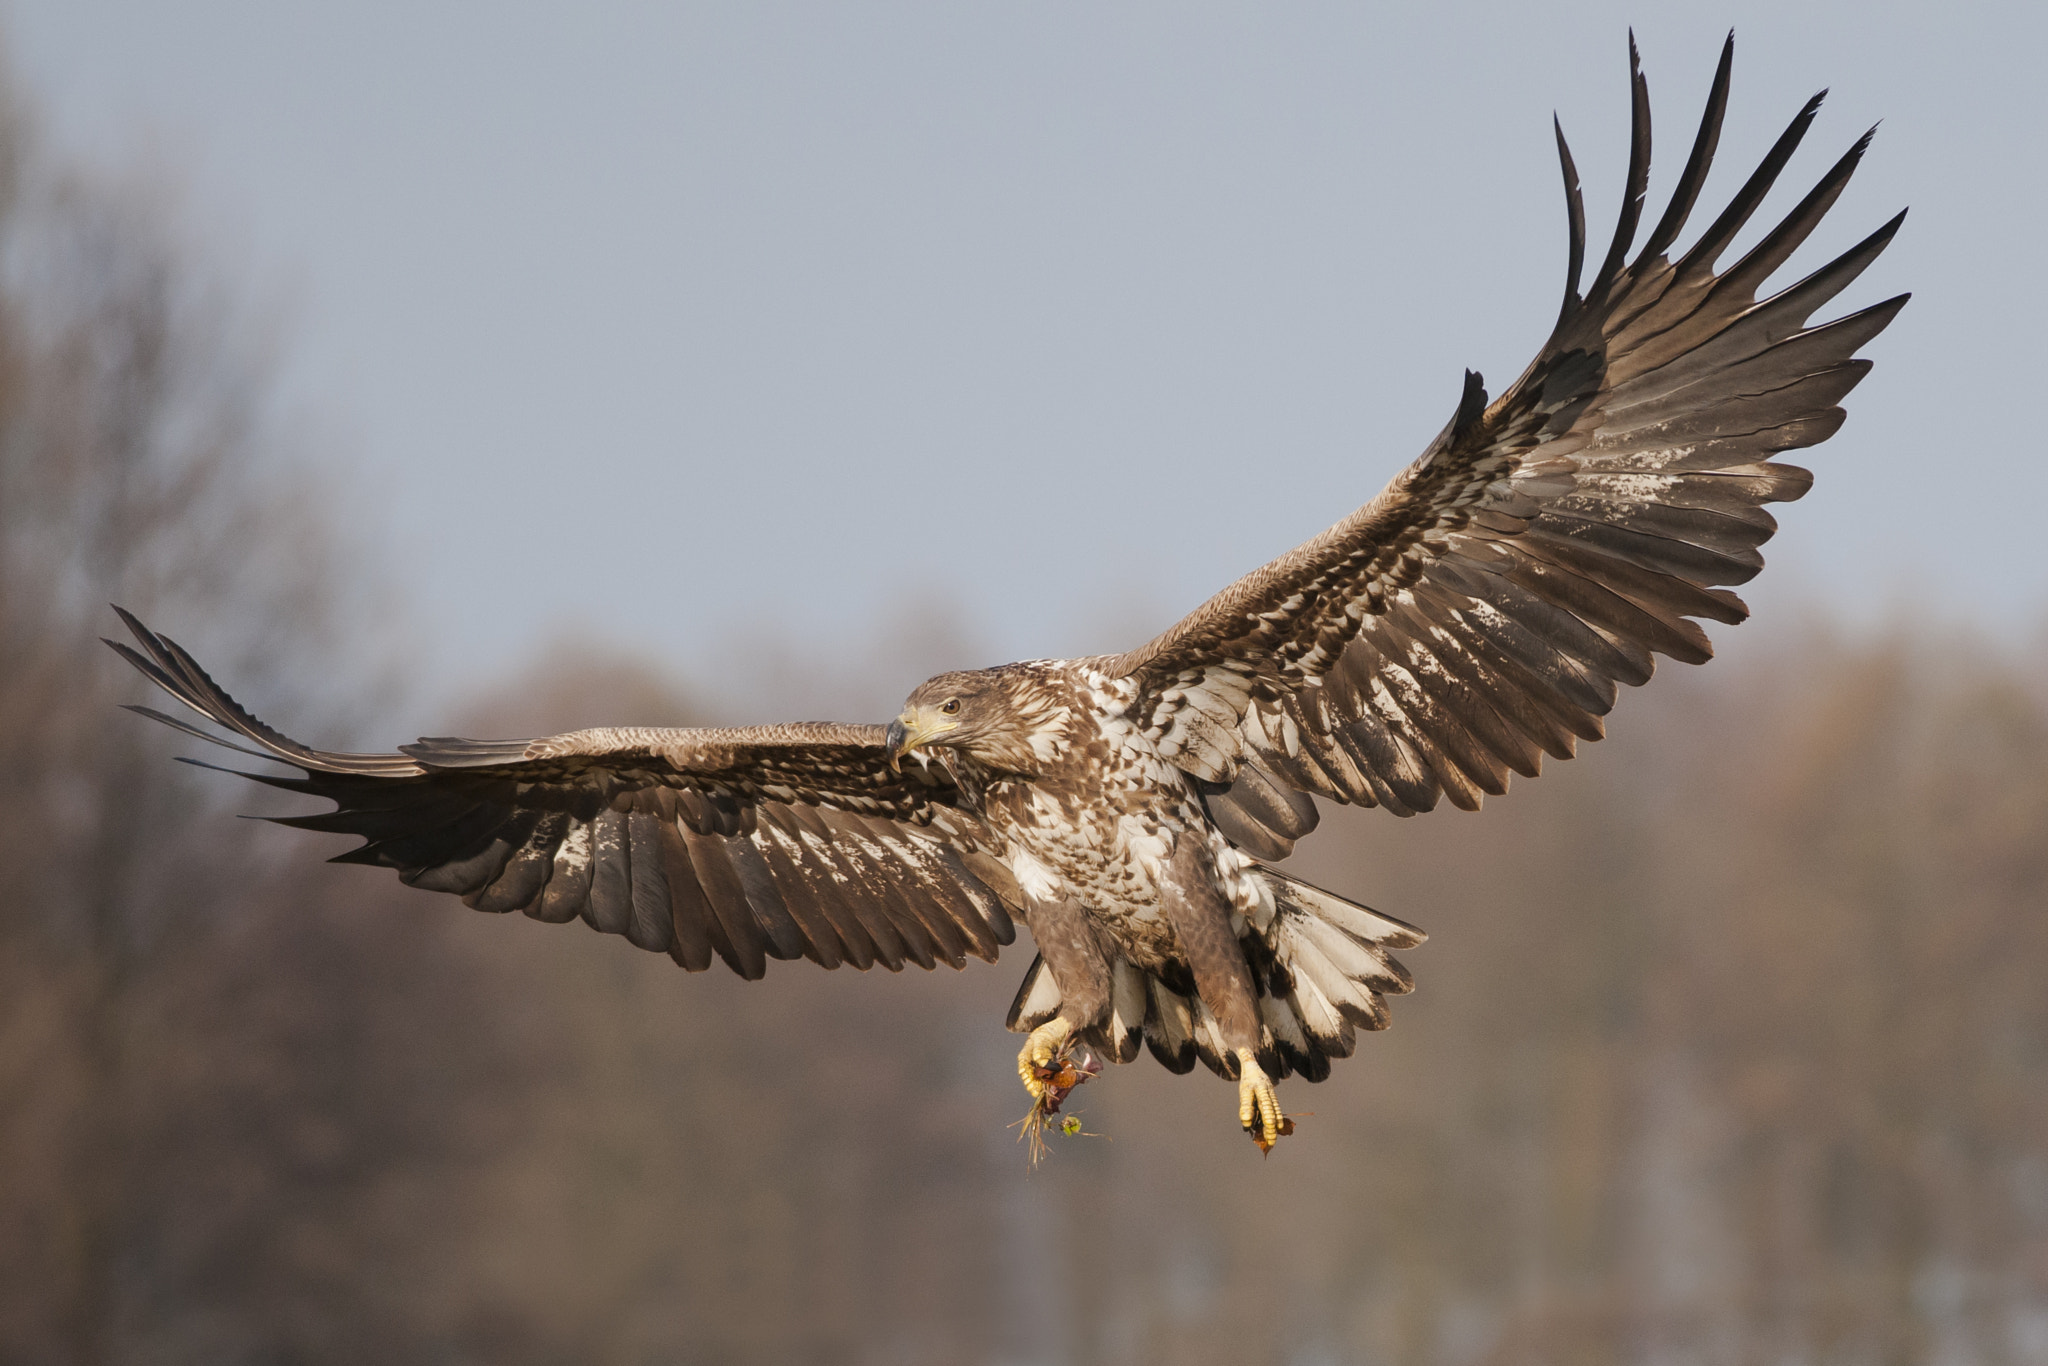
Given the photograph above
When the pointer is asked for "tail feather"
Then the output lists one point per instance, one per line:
(1038, 999)
(1169, 1026)
(1300, 1053)
(1339, 961)
(1209, 1044)
(1322, 967)
(1360, 922)
(1116, 1037)
(1329, 972)
(1321, 1021)
(1126, 1023)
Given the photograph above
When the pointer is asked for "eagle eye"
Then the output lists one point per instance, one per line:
(950, 707)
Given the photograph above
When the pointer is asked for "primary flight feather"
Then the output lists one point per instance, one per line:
(1476, 615)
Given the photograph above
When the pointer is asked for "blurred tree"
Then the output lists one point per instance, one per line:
(135, 466)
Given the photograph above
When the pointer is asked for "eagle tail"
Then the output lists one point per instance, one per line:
(1324, 967)
(1171, 1020)
(1038, 999)
(1116, 1035)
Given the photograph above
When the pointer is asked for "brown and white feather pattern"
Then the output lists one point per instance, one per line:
(745, 845)
(1481, 611)
(1104, 822)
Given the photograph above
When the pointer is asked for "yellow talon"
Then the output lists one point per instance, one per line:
(1258, 1106)
(1040, 1048)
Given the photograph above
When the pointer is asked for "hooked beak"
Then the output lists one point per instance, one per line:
(910, 731)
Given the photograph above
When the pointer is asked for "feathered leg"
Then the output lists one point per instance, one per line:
(1223, 980)
(1067, 943)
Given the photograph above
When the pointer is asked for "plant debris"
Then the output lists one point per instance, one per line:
(1069, 1068)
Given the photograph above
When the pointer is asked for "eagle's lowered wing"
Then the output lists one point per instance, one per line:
(793, 841)
(1481, 611)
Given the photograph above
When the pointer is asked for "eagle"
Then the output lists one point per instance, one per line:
(1480, 613)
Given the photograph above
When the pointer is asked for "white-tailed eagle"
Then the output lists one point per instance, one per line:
(1478, 614)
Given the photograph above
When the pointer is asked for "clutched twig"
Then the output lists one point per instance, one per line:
(1069, 1068)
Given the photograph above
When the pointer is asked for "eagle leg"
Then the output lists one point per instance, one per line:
(1258, 1106)
(1041, 1046)
(1223, 979)
(1075, 960)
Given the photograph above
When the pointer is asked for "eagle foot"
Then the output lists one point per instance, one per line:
(1052, 1065)
(1258, 1106)
(1038, 1064)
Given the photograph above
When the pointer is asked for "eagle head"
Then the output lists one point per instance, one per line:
(1006, 719)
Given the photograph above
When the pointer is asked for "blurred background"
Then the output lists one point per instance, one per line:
(506, 369)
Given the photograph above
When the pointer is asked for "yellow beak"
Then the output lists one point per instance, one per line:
(915, 728)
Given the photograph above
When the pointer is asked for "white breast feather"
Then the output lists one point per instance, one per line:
(1147, 847)
(1037, 881)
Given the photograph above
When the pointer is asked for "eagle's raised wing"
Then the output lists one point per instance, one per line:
(1481, 611)
(768, 842)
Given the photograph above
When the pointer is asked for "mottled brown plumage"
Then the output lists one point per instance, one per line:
(1478, 614)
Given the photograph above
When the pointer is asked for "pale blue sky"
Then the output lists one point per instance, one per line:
(658, 319)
